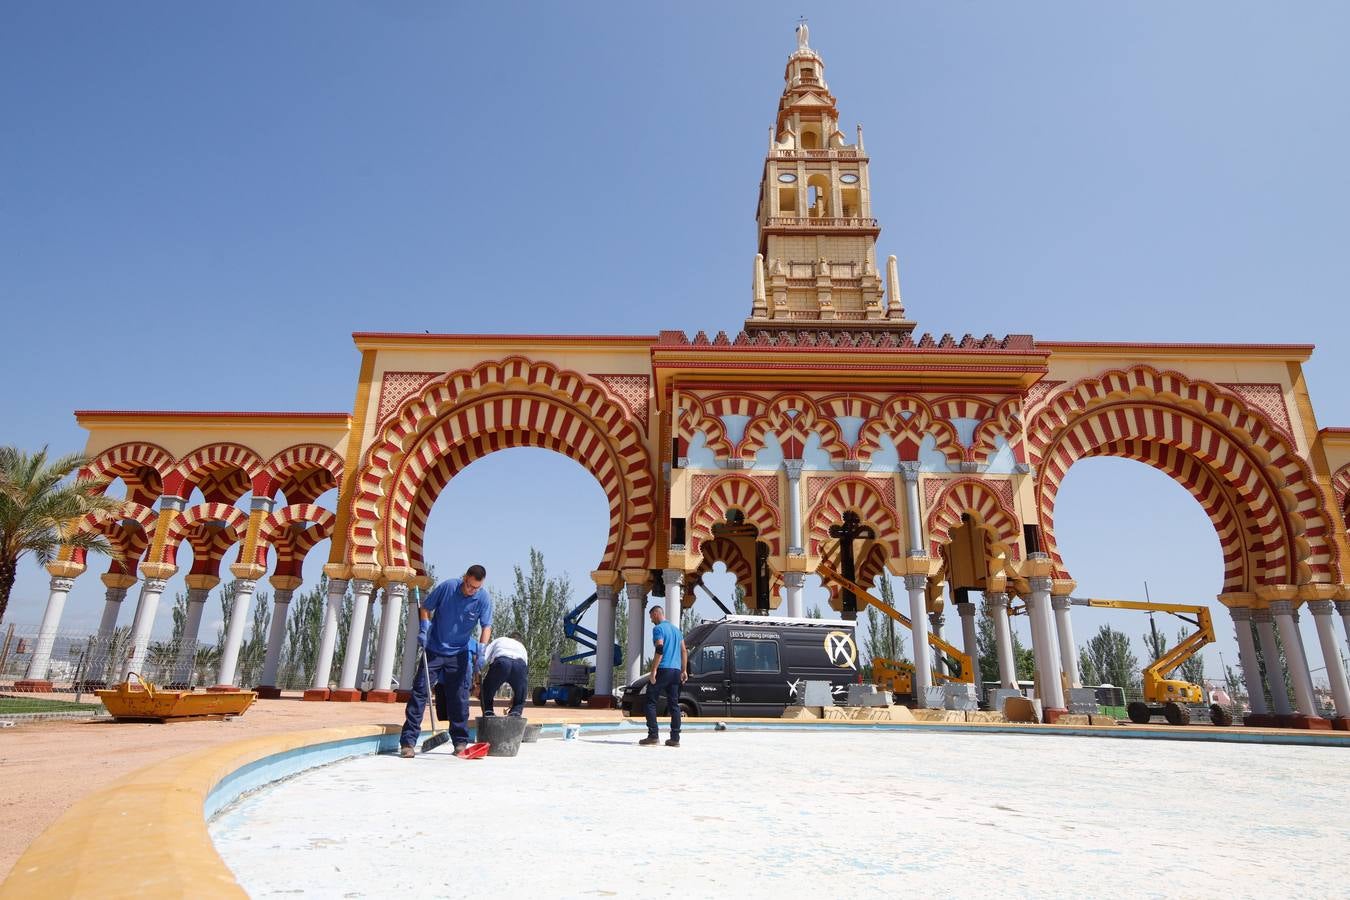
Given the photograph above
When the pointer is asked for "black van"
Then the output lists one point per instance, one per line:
(755, 665)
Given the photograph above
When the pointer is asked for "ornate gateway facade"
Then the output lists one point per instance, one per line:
(826, 401)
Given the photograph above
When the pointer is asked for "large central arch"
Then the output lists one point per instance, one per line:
(1259, 494)
(500, 404)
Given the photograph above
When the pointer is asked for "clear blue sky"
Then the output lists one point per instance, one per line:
(240, 186)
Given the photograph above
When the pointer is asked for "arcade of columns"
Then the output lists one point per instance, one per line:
(824, 402)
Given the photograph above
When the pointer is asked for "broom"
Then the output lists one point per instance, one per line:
(437, 738)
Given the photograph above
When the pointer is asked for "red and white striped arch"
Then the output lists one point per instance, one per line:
(864, 497)
(292, 532)
(302, 473)
(1340, 484)
(141, 466)
(1284, 526)
(234, 520)
(971, 495)
(704, 413)
(907, 419)
(721, 550)
(224, 472)
(735, 492)
(1005, 422)
(868, 568)
(532, 403)
(128, 529)
(210, 543)
(792, 417)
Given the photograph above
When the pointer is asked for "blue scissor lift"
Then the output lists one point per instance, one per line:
(567, 678)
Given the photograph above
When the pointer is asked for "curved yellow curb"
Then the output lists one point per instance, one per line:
(145, 834)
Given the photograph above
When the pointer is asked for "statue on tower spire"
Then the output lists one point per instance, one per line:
(803, 35)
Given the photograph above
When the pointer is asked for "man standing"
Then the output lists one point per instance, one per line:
(505, 661)
(447, 620)
(670, 667)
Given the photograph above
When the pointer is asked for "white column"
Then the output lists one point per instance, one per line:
(276, 635)
(234, 638)
(97, 667)
(367, 636)
(794, 478)
(337, 589)
(1051, 691)
(151, 589)
(1270, 653)
(1343, 608)
(1251, 668)
(637, 611)
(604, 640)
(967, 613)
(795, 582)
(997, 604)
(351, 660)
(1283, 611)
(910, 471)
(1068, 650)
(187, 647)
(1331, 655)
(58, 590)
(390, 615)
(411, 652)
(917, 588)
(674, 579)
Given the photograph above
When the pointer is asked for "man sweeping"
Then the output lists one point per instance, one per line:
(446, 623)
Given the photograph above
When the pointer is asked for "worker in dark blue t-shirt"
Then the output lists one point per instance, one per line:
(447, 620)
(670, 668)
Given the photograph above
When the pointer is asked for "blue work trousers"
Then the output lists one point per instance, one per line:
(668, 686)
(451, 673)
(505, 670)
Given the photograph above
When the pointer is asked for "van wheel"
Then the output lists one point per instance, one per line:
(540, 696)
(688, 709)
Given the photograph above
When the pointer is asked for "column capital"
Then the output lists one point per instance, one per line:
(1282, 607)
(282, 596)
(672, 575)
(1260, 616)
(996, 599)
(605, 593)
(115, 594)
(916, 582)
(197, 594)
(362, 586)
(1240, 613)
(337, 586)
(909, 470)
(396, 590)
(794, 580)
(965, 610)
(1319, 607)
(793, 467)
(1060, 602)
(638, 590)
(1343, 607)
(245, 585)
(64, 585)
(1041, 584)
(156, 585)
(262, 504)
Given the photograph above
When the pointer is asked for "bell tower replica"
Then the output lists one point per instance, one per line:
(817, 263)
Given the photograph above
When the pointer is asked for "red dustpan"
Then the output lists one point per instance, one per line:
(474, 751)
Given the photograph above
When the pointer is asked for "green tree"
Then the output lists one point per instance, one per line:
(304, 626)
(1087, 668)
(1233, 684)
(1112, 659)
(1155, 642)
(535, 608)
(986, 644)
(885, 638)
(39, 501)
(253, 651)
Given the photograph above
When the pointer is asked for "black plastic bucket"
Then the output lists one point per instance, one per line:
(503, 734)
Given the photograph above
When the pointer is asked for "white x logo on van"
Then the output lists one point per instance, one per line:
(840, 648)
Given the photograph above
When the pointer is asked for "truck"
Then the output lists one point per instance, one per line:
(746, 665)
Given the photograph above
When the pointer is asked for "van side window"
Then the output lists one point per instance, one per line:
(755, 656)
(708, 660)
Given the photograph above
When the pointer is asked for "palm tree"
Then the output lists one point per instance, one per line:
(38, 507)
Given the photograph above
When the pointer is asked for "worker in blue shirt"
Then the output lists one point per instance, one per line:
(447, 619)
(670, 668)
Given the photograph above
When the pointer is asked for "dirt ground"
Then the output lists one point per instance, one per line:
(45, 766)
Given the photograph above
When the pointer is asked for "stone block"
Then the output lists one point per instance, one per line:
(1021, 709)
(1109, 721)
(998, 695)
(802, 712)
(858, 694)
(990, 717)
(960, 696)
(817, 693)
(1082, 701)
(934, 697)
(938, 715)
(1073, 719)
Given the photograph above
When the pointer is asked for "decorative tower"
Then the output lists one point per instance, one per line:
(817, 264)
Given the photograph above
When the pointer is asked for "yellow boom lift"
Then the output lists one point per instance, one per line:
(1170, 697)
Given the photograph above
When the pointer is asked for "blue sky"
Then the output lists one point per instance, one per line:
(239, 187)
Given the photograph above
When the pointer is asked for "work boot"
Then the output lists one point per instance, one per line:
(406, 752)
(649, 741)
(673, 742)
(460, 748)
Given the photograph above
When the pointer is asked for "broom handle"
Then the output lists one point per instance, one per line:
(431, 698)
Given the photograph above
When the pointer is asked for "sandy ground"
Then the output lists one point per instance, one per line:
(45, 766)
(794, 814)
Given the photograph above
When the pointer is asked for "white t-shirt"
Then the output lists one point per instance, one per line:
(504, 647)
